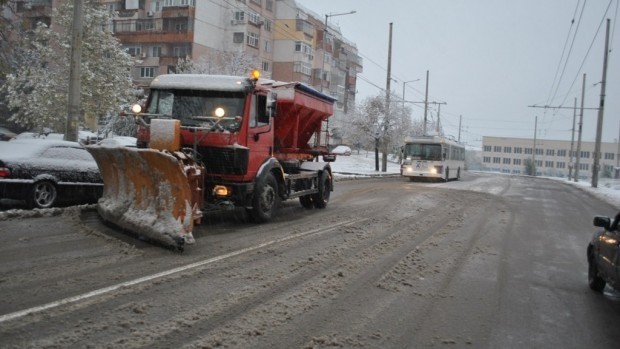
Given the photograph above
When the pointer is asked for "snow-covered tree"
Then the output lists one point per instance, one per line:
(224, 63)
(37, 90)
(372, 123)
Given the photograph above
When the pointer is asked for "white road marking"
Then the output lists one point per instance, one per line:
(105, 290)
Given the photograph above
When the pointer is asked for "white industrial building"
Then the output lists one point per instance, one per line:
(552, 158)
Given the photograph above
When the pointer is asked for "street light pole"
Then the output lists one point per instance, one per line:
(325, 40)
(404, 83)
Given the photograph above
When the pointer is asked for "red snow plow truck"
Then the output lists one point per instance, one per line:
(212, 142)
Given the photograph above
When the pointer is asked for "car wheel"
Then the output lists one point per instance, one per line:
(266, 199)
(321, 198)
(595, 282)
(43, 194)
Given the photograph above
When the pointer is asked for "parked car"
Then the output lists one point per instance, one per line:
(46, 172)
(603, 254)
(342, 150)
(6, 134)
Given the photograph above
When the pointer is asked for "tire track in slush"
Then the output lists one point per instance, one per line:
(112, 288)
(382, 252)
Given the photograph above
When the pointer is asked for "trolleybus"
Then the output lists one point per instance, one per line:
(432, 157)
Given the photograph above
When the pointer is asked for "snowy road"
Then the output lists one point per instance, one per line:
(486, 262)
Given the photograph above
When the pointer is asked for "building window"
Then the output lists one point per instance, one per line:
(539, 151)
(253, 39)
(267, 25)
(516, 162)
(506, 161)
(528, 151)
(518, 150)
(507, 150)
(147, 72)
(302, 47)
(486, 159)
(550, 152)
(253, 17)
(549, 164)
(584, 167)
(497, 160)
(172, 3)
(487, 148)
(561, 152)
(257, 2)
(269, 5)
(180, 51)
(238, 37)
(267, 46)
(585, 154)
(265, 66)
(497, 149)
(239, 17)
(156, 51)
(156, 6)
(302, 67)
(539, 163)
(134, 51)
(609, 156)
(560, 164)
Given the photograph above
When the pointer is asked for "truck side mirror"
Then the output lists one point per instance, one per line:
(271, 104)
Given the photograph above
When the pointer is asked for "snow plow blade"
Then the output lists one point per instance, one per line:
(151, 193)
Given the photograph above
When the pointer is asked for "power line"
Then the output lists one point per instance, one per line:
(572, 22)
(589, 49)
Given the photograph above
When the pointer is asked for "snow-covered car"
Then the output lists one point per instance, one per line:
(342, 150)
(603, 253)
(6, 134)
(47, 173)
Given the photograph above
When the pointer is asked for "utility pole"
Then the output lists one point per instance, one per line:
(425, 103)
(74, 101)
(578, 153)
(601, 110)
(386, 121)
(438, 127)
(618, 151)
(460, 121)
(572, 142)
(534, 147)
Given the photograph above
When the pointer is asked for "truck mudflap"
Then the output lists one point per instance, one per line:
(156, 194)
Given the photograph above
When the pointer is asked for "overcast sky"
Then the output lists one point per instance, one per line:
(489, 60)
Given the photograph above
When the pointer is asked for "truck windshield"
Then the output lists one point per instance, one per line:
(199, 108)
(422, 151)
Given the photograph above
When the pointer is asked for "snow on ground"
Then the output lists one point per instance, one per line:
(607, 189)
(362, 164)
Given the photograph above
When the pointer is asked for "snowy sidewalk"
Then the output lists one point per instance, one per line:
(362, 166)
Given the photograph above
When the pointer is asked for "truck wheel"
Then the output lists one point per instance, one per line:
(43, 194)
(447, 174)
(321, 198)
(306, 201)
(595, 282)
(266, 199)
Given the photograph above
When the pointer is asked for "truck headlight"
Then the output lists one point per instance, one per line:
(221, 191)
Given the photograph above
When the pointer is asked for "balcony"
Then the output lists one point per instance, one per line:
(178, 11)
(158, 30)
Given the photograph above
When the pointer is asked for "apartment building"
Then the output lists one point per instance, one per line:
(287, 41)
(552, 157)
(161, 32)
